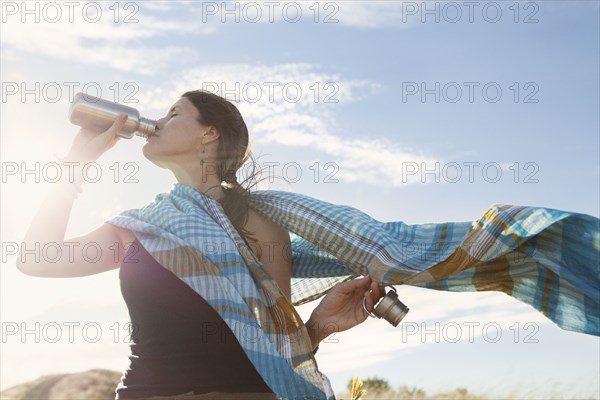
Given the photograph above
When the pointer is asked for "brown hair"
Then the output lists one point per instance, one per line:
(232, 153)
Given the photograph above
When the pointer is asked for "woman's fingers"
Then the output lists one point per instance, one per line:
(116, 126)
(373, 295)
(365, 280)
(368, 302)
(372, 291)
(89, 144)
(111, 136)
(356, 284)
(377, 290)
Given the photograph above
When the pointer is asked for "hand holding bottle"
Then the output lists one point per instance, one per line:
(90, 144)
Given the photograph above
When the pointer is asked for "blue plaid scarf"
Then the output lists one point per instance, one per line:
(546, 258)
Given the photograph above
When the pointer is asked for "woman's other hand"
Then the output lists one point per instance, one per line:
(342, 307)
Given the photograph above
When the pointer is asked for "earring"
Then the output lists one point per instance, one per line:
(203, 152)
(202, 156)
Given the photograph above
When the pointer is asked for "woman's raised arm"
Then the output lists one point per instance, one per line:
(44, 251)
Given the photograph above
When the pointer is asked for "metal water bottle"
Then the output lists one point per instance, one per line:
(95, 113)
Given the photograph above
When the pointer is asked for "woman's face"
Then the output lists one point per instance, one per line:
(178, 136)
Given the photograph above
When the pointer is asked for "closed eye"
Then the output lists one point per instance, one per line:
(172, 116)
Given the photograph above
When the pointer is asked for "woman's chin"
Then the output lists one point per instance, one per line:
(153, 158)
(147, 152)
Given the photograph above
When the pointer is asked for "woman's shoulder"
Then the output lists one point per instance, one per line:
(274, 249)
(263, 225)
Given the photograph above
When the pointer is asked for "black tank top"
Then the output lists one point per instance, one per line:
(179, 343)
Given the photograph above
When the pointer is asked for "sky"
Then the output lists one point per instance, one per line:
(408, 111)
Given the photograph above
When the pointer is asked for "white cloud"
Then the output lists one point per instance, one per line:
(98, 33)
(372, 14)
(93, 38)
(307, 122)
(353, 14)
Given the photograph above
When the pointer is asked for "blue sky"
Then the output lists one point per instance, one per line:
(370, 57)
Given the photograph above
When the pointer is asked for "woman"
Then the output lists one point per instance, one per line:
(203, 140)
